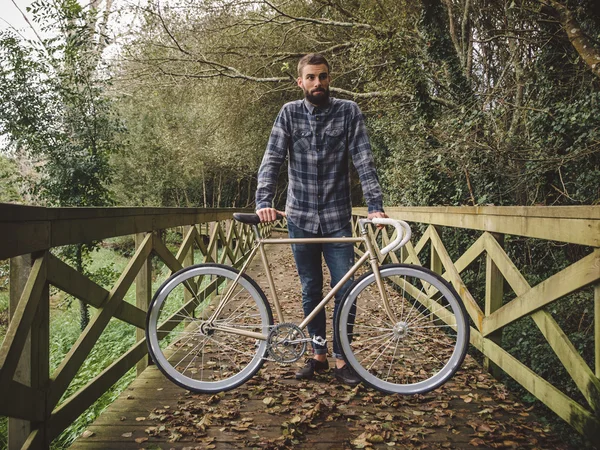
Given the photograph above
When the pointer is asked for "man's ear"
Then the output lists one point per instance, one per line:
(299, 81)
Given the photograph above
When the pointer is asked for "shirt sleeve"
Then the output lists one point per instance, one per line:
(362, 157)
(273, 158)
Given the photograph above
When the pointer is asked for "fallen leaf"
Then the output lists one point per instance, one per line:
(141, 439)
(127, 435)
(87, 433)
(477, 442)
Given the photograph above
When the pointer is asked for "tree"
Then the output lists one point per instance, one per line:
(53, 109)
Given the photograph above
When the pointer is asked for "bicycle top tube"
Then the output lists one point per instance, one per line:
(403, 232)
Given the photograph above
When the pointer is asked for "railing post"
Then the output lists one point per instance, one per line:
(34, 365)
(494, 290)
(597, 326)
(143, 295)
(435, 262)
(211, 235)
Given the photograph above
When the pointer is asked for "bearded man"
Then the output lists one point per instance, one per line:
(318, 135)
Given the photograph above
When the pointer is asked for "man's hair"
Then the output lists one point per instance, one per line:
(312, 59)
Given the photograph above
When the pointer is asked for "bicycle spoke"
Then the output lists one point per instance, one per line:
(195, 353)
(413, 354)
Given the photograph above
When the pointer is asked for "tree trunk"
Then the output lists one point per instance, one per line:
(84, 311)
(580, 41)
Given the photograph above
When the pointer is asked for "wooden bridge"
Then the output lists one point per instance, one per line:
(34, 399)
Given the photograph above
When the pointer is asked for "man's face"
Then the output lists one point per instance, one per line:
(315, 84)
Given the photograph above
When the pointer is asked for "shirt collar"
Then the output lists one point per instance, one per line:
(311, 108)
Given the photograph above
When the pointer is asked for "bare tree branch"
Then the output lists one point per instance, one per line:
(326, 21)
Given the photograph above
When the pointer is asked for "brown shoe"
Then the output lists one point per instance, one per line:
(312, 365)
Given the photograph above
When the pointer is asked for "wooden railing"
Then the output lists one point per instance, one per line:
(30, 395)
(573, 225)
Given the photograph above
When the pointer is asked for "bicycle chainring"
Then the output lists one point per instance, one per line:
(286, 343)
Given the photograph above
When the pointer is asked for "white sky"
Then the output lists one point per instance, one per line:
(10, 16)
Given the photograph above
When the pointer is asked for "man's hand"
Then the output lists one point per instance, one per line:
(378, 215)
(268, 214)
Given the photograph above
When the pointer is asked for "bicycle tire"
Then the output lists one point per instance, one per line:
(417, 352)
(194, 356)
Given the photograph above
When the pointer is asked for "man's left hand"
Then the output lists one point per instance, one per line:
(378, 215)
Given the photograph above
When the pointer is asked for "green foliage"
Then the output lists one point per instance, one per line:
(53, 108)
(9, 181)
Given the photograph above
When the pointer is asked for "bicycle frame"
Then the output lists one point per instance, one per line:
(259, 247)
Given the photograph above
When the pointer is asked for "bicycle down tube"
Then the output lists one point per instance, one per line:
(260, 247)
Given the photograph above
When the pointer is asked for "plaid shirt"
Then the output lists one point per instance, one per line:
(318, 143)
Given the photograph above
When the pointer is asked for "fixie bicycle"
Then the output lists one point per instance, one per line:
(402, 328)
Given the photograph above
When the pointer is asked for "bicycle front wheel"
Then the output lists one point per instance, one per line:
(190, 346)
(414, 345)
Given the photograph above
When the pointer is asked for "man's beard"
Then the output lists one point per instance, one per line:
(320, 99)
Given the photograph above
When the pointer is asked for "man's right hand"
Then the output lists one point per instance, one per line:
(268, 214)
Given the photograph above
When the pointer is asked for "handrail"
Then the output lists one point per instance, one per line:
(29, 233)
(489, 315)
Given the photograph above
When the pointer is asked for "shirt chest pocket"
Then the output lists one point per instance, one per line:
(335, 139)
(301, 140)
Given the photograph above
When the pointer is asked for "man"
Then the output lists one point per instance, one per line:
(318, 134)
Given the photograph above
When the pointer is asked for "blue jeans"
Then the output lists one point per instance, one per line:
(339, 258)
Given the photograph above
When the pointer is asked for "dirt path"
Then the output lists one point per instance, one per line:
(275, 411)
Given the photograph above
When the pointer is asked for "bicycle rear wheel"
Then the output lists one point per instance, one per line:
(184, 345)
(418, 349)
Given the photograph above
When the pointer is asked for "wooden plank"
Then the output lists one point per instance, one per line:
(578, 369)
(168, 258)
(20, 324)
(472, 307)
(75, 405)
(225, 243)
(21, 238)
(597, 327)
(566, 212)
(435, 261)
(494, 291)
(23, 402)
(20, 270)
(79, 286)
(581, 228)
(569, 410)
(472, 253)
(576, 276)
(187, 244)
(201, 246)
(32, 228)
(42, 228)
(143, 296)
(72, 362)
(211, 249)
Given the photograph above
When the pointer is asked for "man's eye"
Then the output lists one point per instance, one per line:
(323, 76)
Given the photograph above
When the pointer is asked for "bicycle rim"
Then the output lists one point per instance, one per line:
(421, 347)
(184, 346)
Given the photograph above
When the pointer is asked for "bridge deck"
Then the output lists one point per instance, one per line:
(273, 410)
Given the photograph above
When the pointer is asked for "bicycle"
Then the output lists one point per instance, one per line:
(402, 328)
